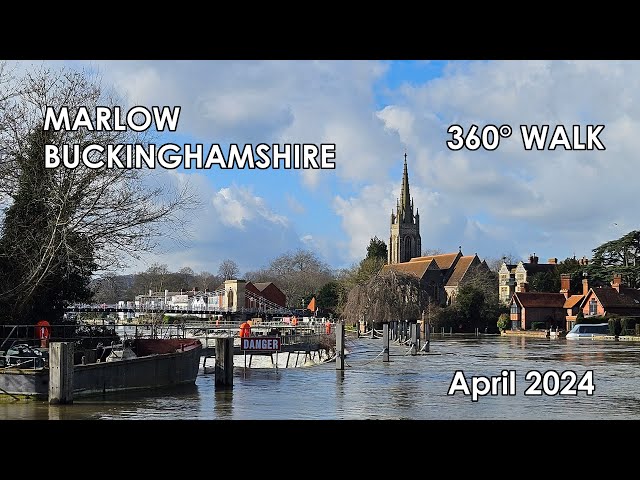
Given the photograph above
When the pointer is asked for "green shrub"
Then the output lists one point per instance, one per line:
(614, 326)
(628, 325)
(503, 322)
(538, 326)
(595, 319)
(580, 317)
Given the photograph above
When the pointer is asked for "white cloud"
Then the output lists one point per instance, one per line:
(233, 223)
(236, 205)
(271, 102)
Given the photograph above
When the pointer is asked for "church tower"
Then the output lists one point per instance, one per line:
(404, 241)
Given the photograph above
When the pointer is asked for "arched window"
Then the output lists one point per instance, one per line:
(406, 254)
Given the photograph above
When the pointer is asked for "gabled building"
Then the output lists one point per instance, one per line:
(441, 275)
(616, 299)
(555, 310)
(515, 278)
(529, 307)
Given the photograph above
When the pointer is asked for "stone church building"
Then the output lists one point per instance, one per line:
(441, 275)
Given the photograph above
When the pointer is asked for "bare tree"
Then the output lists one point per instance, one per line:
(87, 219)
(508, 258)
(300, 275)
(228, 270)
(207, 281)
(426, 252)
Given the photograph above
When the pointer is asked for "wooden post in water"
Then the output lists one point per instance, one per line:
(413, 327)
(224, 362)
(427, 337)
(61, 373)
(385, 342)
(340, 345)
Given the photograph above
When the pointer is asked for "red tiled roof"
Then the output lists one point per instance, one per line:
(459, 270)
(572, 301)
(540, 299)
(610, 298)
(416, 269)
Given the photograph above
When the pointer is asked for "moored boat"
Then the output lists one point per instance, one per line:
(141, 364)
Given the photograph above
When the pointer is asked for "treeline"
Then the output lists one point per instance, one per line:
(300, 274)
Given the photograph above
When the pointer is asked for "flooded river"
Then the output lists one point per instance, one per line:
(585, 379)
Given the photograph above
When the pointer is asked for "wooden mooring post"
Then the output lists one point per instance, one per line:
(340, 346)
(224, 363)
(385, 342)
(413, 327)
(61, 373)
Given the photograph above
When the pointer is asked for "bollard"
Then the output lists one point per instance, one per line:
(340, 346)
(61, 373)
(224, 363)
(385, 342)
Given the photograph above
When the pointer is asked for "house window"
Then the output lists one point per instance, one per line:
(593, 307)
(520, 277)
(515, 308)
(503, 278)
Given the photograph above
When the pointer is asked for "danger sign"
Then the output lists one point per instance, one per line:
(261, 344)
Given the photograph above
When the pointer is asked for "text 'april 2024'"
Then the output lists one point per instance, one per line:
(533, 137)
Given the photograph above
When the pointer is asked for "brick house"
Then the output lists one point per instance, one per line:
(529, 307)
(556, 310)
(616, 299)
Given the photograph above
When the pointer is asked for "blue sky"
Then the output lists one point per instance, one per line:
(506, 201)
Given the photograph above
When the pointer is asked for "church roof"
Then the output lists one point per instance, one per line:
(416, 269)
(460, 270)
(444, 260)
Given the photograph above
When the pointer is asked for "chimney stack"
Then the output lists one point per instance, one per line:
(533, 260)
(617, 282)
(553, 261)
(565, 284)
(585, 285)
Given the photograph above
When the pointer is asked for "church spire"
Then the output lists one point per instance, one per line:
(404, 235)
(405, 199)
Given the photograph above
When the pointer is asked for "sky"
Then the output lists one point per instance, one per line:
(506, 201)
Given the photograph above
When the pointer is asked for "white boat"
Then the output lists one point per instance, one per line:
(589, 330)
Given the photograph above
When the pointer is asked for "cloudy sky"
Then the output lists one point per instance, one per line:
(504, 201)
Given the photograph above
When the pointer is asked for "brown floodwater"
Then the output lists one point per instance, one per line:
(406, 387)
